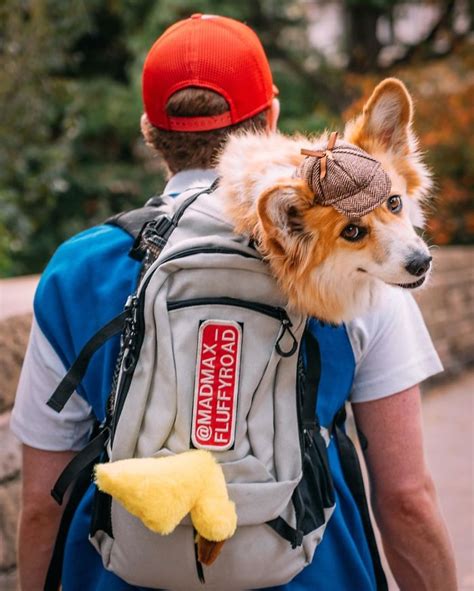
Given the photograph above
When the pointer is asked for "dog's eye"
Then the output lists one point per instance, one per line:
(394, 203)
(353, 233)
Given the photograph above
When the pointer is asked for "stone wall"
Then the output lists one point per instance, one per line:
(448, 307)
(447, 304)
(13, 339)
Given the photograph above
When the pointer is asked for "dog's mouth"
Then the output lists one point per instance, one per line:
(413, 285)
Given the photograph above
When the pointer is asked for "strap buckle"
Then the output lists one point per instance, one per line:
(298, 539)
(154, 234)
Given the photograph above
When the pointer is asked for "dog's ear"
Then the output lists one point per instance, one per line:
(384, 130)
(281, 212)
(386, 119)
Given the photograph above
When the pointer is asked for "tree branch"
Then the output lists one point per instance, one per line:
(413, 50)
(273, 26)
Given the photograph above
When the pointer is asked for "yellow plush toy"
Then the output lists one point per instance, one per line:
(162, 491)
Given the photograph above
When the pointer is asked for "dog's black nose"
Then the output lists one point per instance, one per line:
(418, 265)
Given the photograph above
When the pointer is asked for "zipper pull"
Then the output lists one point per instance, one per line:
(132, 302)
(130, 333)
(286, 324)
(129, 302)
(131, 306)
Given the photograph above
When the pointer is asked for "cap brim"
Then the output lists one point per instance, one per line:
(364, 201)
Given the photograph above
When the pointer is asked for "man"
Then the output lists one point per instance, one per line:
(205, 78)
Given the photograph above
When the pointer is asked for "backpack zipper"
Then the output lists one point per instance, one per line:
(300, 377)
(208, 250)
(273, 311)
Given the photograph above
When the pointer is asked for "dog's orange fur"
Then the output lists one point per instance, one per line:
(302, 240)
(397, 146)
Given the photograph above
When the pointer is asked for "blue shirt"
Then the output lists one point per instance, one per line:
(83, 287)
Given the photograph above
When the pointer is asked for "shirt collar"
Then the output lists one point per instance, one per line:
(199, 177)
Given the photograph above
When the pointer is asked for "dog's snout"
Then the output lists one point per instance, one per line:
(418, 264)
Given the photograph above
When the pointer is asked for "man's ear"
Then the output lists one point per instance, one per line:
(280, 211)
(273, 115)
(385, 120)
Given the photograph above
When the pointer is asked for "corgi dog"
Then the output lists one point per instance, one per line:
(330, 265)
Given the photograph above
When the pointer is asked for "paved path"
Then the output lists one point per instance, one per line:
(448, 412)
(448, 415)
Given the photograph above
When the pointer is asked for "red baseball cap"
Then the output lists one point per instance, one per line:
(213, 52)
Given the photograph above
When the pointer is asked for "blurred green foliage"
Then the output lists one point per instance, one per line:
(70, 147)
(71, 153)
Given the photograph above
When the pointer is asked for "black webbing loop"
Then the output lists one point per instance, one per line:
(353, 476)
(89, 454)
(311, 385)
(300, 511)
(294, 346)
(53, 576)
(75, 374)
(199, 567)
(281, 527)
(83, 480)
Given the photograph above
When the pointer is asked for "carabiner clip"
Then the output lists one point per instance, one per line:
(286, 323)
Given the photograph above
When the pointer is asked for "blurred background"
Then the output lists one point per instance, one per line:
(71, 155)
(70, 148)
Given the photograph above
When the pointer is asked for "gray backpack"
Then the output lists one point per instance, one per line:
(203, 287)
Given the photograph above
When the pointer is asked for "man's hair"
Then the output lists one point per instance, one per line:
(183, 150)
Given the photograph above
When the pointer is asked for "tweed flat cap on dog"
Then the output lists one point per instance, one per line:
(345, 177)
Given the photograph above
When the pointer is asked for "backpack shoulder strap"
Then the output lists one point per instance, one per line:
(354, 479)
(133, 221)
(83, 474)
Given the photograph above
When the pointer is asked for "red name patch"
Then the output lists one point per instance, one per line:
(216, 385)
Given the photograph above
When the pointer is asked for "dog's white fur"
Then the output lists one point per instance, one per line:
(320, 271)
